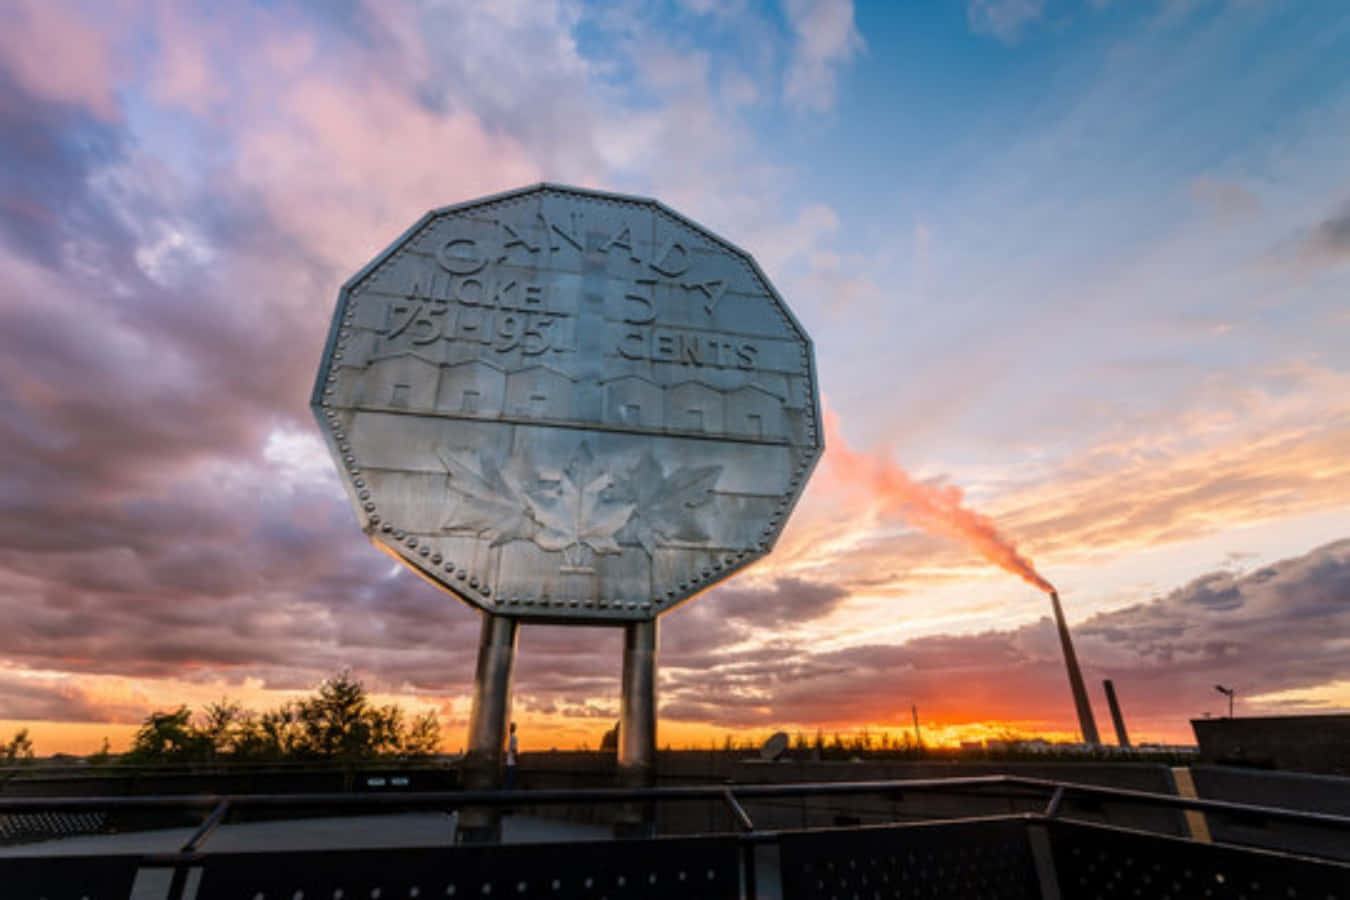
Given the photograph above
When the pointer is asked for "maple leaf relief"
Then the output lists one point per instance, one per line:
(577, 511)
(666, 507)
(586, 507)
(493, 499)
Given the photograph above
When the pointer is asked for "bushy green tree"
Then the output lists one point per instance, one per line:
(339, 723)
(19, 749)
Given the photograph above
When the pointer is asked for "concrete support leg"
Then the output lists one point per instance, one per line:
(637, 725)
(487, 726)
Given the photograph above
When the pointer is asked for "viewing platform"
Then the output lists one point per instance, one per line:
(1054, 839)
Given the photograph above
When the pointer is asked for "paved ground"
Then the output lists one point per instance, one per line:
(400, 830)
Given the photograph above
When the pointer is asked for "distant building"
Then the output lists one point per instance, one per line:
(1294, 743)
(1033, 745)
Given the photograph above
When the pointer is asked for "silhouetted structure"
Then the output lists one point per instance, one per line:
(1086, 724)
(1117, 719)
(1294, 743)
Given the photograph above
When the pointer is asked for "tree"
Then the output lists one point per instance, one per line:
(19, 749)
(276, 734)
(422, 738)
(385, 731)
(220, 726)
(339, 723)
(609, 741)
(168, 737)
(103, 756)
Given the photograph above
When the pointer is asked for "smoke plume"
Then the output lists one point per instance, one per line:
(936, 509)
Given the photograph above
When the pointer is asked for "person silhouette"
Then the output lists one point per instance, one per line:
(511, 748)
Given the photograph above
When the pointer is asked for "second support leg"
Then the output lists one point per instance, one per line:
(637, 723)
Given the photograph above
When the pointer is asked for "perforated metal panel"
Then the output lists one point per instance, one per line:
(987, 858)
(1107, 863)
(675, 868)
(41, 826)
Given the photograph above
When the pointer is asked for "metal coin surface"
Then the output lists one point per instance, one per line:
(569, 406)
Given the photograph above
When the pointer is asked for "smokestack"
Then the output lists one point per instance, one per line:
(1117, 719)
(1086, 724)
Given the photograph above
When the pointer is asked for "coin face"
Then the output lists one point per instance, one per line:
(567, 405)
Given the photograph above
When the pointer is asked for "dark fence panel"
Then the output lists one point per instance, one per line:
(660, 868)
(986, 858)
(1294, 790)
(1109, 863)
(67, 878)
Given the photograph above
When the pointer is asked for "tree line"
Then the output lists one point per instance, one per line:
(339, 723)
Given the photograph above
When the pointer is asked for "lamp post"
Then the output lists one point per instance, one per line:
(1227, 692)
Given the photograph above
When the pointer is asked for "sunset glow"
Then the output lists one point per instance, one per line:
(1075, 273)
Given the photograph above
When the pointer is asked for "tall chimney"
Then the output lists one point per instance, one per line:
(1086, 724)
(1117, 719)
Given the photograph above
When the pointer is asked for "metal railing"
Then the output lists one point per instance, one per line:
(733, 796)
(1042, 853)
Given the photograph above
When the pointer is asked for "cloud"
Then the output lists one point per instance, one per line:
(1003, 19)
(515, 65)
(1274, 629)
(165, 302)
(774, 245)
(1243, 449)
(826, 39)
(62, 699)
(1226, 200)
(730, 614)
(50, 149)
(1329, 240)
(50, 50)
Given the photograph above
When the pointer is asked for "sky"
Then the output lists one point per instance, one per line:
(1076, 266)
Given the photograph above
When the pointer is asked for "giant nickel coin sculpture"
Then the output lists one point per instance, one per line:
(567, 406)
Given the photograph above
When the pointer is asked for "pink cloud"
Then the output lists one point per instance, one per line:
(348, 165)
(58, 54)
